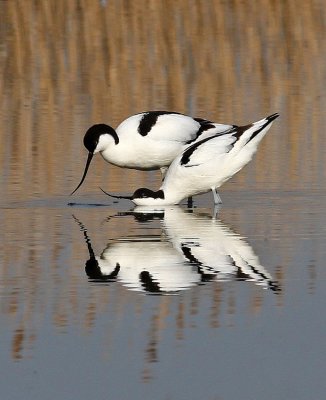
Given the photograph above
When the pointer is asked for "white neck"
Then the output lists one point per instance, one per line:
(105, 142)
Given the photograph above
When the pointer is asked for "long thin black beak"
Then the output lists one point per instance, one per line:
(88, 162)
(117, 197)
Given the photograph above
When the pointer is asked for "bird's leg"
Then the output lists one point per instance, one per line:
(217, 199)
(163, 172)
(217, 208)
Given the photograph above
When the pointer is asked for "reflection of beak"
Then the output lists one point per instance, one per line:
(116, 197)
(88, 162)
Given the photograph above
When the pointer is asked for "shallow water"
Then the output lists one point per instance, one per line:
(101, 299)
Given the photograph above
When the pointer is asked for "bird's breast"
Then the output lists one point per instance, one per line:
(142, 153)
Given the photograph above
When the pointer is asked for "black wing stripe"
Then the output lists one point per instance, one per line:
(190, 150)
(204, 126)
(149, 119)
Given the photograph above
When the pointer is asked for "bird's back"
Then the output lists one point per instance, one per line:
(155, 138)
(210, 162)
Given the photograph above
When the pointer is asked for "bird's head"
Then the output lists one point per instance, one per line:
(97, 138)
(143, 197)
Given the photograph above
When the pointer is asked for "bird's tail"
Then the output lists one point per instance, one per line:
(247, 140)
(258, 129)
(248, 137)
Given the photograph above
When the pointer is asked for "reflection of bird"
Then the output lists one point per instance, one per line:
(206, 165)
(213, 248)
(196, 249)
(142, 263)
(147, 141)
(148, 264)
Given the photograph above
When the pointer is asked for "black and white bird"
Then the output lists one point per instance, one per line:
(219, 253)
(205, 165)
(194, 249)
(147, 141)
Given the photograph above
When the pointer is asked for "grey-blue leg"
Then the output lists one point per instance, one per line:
(163, 172)
(217, 199)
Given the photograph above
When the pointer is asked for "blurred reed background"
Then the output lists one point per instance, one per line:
(65, 65)
(68, 64)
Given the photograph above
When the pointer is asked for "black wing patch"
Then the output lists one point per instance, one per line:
(149, 120)
(191, 149)
(236, 131)
(205, 125)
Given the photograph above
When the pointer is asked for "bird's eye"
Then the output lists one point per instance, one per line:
(144, 194)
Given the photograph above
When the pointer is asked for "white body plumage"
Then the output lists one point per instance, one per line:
(206, 164)
(194, 249)
(170, 134)
(147, 141)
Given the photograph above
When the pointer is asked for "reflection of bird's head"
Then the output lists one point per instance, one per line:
(93, 271)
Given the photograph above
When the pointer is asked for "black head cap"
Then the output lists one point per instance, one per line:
(145, 193)
(93, 134)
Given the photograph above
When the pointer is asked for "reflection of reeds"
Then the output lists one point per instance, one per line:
(66, 65)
